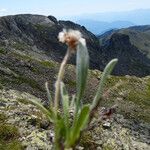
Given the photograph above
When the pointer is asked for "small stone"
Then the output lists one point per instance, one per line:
(106, 125)
(44, 125)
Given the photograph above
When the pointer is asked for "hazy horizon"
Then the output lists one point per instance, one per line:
(64, 8)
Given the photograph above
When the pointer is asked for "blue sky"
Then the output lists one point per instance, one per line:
(60, 8)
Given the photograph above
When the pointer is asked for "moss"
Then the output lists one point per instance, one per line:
(34, 84)
(1, 86)
(40, 27)
(2, 117)
(19, 46)
(2, 50)
(130, 90)
(22, 56)
(87, 141)
(13, 145)
(107, 147)
(8, 132)
(35, 70)
(70, 82)
(94, 73)
(9, 137)
(22, 100)
(48, 64)
(19, 80)
(141, 99)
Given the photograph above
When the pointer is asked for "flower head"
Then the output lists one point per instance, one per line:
(70, 37)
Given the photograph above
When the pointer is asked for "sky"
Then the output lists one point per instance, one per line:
(62, 8)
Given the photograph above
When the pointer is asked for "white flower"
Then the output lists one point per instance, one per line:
(71, 38)
(62, 35)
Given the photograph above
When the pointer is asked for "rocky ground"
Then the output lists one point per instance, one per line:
(23, 126)
(26, 128)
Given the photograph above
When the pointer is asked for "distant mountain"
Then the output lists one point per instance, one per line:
(99, 27)
(139, 36)
(131, 46)
(138, 17)
(100, 22)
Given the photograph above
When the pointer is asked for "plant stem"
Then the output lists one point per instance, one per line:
(59, 79)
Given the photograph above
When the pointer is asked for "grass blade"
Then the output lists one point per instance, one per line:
(48, 113)
(48, 94)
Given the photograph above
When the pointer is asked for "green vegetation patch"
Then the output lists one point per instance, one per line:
(48, 64)
(9, 137)
(40, 27)
(87, 141)
(13, 145)
(19, 80)
(34, 84)
(70, 83)
(2, 50)
(19, 46)
(2, 117)
(134, 95)
(22, 56)
(8, 132)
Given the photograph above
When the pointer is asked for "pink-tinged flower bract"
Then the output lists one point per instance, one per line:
(71, 38)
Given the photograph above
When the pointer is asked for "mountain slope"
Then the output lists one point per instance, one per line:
(38, 34)
(131, 46)
(22, 75)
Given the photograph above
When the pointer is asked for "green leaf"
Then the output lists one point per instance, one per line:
(48, 94)
(72, 104)
(65, 103)
(107, 71)
(82, 65)
(80, 124)
(59, 129)
(48, 113)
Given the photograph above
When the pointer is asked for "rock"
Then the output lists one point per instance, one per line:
(52, 18)
(107, 125)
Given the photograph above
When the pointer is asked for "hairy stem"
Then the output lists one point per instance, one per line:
(59, 79)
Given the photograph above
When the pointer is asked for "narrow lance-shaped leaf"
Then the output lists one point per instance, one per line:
(80, 123)
(48, 94)
(72, 104)
(107, 71)
(48, 113)
(65, 103)
(82, 65)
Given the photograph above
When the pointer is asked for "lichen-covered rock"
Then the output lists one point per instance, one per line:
(34, 135)
(20, 113)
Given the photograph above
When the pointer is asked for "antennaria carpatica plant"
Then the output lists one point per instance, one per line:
(67, 131)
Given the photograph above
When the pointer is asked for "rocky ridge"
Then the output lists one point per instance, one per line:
(130, 46)
(37, 35)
